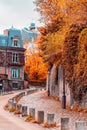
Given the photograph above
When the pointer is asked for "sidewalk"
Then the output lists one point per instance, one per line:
(40, 101)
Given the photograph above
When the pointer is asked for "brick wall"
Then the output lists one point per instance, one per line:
(20, 84)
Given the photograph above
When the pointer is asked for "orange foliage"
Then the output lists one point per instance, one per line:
(67, 47)
(81, 67)
(35, 67)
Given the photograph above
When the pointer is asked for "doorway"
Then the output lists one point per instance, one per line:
(15, 85)
(1, 85)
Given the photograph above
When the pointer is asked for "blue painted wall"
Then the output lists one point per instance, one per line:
(3, 40)
(31, 34)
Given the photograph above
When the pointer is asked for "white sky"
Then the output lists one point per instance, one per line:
(19, 13)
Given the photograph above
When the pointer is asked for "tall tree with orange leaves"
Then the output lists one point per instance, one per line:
(70, 15)
(35, 67)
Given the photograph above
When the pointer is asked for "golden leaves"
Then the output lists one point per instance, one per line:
(36, 68)
(64, 38)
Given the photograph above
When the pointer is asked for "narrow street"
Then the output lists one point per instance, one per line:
(9, 121)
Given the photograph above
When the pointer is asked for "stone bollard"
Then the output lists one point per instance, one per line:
(32, 112)
(25, 93)
(18, 107)
(41, 116)
(14, 103)
(80, 125)
(50, 118)
(65, 123)
(24, 110)
(10, 103)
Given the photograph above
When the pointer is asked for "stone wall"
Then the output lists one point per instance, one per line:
(60, 86)
(56, 87)
(83, 103)
(53, 86)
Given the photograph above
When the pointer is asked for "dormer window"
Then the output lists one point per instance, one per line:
(15, 44)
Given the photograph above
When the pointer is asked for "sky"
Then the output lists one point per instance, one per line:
(17, 13)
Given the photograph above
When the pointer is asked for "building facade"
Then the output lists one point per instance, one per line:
(30, 36)
(31, 33)
(11, 60)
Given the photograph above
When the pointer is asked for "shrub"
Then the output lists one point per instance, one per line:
(12, 109)
(29, 118)
(47, 125)
(36, 121)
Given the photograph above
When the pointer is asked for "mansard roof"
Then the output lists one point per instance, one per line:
(6, 38)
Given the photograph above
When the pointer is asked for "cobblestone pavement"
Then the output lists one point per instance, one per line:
(40, 101)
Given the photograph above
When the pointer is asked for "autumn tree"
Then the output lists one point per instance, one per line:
(35, 67)
(71, 58)
(63, 39)
(77, 21)
(53, 33)
(81, 66)
(52, 45)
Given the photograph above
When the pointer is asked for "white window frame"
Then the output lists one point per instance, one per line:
(15, 73)
(15, 58)
(17, 43)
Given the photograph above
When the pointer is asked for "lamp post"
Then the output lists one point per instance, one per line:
(64, 96)
(49, 81)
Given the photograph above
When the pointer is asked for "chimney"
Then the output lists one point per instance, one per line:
(6, 32)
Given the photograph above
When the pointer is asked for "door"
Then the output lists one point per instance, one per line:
(1, 85)
(15, 85)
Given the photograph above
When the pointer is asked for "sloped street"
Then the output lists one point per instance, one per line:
(9, 121)
(41, 102)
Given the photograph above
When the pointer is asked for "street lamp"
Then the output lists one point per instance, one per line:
(49, 81)
(64, 96)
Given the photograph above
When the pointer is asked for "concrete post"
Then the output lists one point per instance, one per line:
(19, 107)
(32, 112)
(65, 123)
(25, 93)
(80, 125)
(50, 118)
(10, 103)
(41, 116)
(24, 110)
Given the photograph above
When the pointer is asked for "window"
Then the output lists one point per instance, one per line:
(15, 85)
(15, 43)
(0, 84)
(15, 57)
(15, 73)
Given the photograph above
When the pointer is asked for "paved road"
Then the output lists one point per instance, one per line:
(9, 121)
